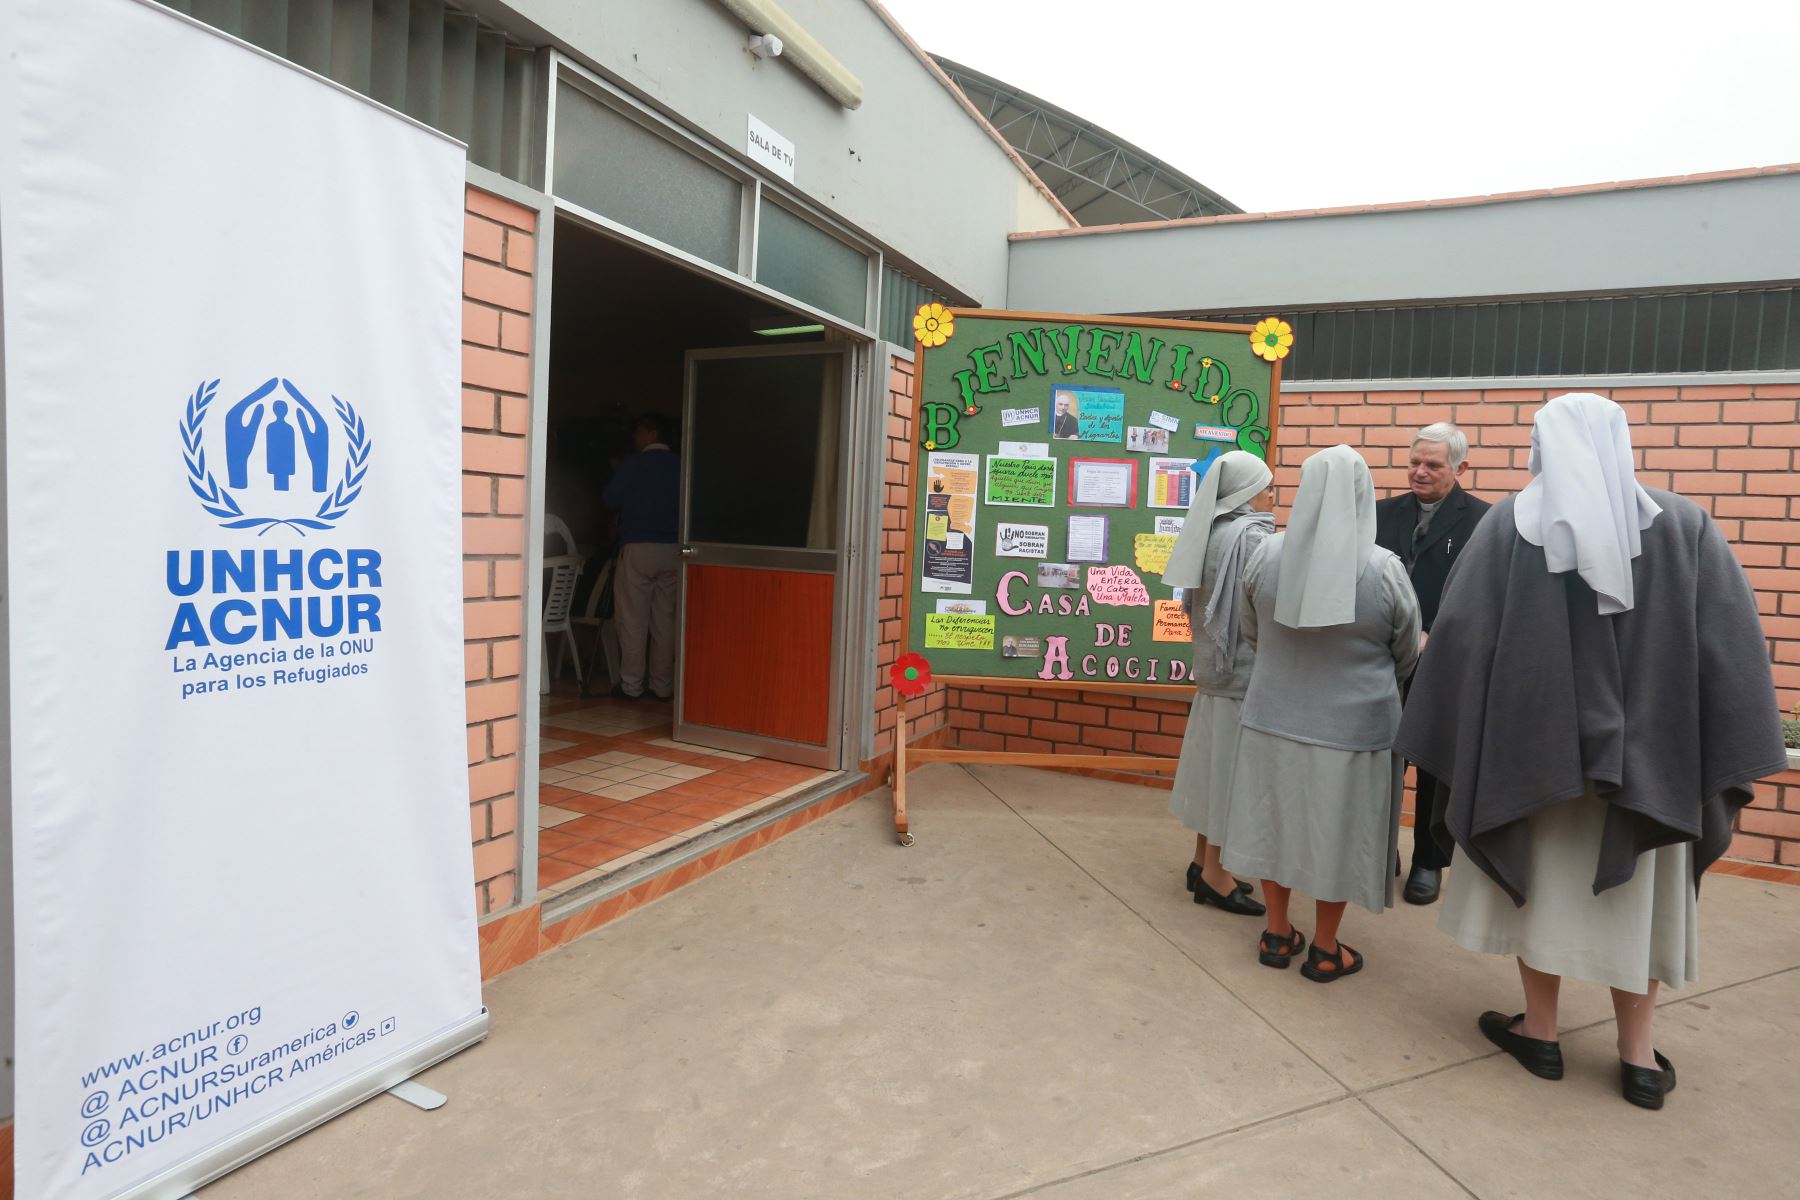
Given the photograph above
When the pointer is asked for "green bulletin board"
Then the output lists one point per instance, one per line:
(1055, 464)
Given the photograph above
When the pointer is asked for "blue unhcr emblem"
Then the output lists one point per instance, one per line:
(286, 430)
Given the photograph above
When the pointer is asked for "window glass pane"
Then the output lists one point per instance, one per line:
(1506, 339)
(1550, 338)
(1624, 328)
(1443, 323)
(1361, 342)
(1721, 325)
(1318, 348)
(744, 490)
(1671, 312)
(801, 260)
(1646, 320)
(1298, 364)
(1591, 354)
(1462, 341)
(609, 163)
(1772, 333)
(1381, 342)
(1481, 361)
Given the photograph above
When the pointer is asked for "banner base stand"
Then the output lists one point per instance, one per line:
(418, 1095)
(180, 1181)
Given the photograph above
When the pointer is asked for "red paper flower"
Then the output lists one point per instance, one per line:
(911, 674)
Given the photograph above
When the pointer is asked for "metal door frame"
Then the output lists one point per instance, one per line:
(852, 357)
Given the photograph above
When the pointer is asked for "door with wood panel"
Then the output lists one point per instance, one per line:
(763, 530)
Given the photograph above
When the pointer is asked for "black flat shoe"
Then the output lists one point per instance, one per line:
(1421, 886)
(1238, 900)
(1193, 875)
(1645, 1087)
(1543, 1059)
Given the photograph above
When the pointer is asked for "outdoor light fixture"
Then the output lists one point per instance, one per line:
(777, 33)
(787, 330)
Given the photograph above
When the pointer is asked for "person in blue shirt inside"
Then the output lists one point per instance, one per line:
(646, 493)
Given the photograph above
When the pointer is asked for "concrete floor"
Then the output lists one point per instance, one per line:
(1027, 1004)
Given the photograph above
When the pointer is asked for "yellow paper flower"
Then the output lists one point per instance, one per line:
(933, 324)
(1273, 339)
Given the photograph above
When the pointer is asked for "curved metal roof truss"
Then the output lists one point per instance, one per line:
(1100, 178)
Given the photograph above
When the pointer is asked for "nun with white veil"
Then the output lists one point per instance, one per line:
(1222, 530)
(1595, 705)
(1315, 788)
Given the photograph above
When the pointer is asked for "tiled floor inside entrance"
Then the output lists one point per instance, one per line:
(615, 788)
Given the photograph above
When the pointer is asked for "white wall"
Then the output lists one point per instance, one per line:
(1735, 231)
(910, 168)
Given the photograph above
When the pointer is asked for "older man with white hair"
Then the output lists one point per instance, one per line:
(1427, 525)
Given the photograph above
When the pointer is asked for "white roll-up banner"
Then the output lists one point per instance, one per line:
(243, 878)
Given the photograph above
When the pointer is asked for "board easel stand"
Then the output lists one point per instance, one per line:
(920, 757)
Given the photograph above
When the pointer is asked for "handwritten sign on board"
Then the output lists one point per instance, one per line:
(959, 631)
(1117, 586)
(1021, 481)
(1171, 624)
(1152, 551)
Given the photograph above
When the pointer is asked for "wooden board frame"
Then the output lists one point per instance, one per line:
(1116, 762)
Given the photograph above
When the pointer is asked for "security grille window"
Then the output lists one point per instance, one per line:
(435, 64)
(901, 296)
(1673, 334)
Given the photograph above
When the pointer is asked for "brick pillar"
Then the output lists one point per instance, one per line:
(498, 260)
(926, 713)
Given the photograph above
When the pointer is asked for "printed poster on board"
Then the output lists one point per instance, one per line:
(949, 546)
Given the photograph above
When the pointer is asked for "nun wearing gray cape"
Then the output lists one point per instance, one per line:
(1595, 703)
(1219, 536)
(1315, 791)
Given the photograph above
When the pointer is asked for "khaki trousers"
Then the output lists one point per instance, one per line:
(644, 609)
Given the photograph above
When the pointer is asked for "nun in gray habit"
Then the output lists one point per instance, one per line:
(1220, 534)
(1315, 788)
(1595, 704)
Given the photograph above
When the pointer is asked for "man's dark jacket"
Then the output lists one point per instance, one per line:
(1451, 528)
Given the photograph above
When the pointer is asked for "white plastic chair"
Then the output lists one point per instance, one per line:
(606, 633)
(559, 601)
(556, 527)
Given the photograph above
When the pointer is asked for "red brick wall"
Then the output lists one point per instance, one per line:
(1769, 830)
(498, 258)
(1730, 449)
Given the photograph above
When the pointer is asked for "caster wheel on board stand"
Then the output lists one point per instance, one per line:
(906, 839)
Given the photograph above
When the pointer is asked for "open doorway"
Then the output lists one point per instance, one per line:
(751, 400)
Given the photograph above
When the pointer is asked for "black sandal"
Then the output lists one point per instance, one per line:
(1277, 951)
(1315, 957)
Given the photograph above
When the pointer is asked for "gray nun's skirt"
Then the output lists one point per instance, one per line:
(1202, 790)
(1646, 928)
(1322, 820)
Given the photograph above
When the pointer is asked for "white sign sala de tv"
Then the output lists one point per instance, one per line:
(242, 872)
(770, 149)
